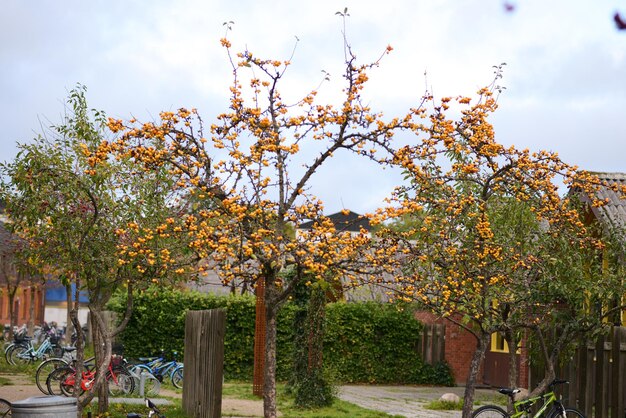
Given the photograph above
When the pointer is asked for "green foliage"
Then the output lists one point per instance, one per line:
(158, 325)
(314, 391)
(439, 374)
(374, 343)
(364, 342)
(312, 387)
(439, 405)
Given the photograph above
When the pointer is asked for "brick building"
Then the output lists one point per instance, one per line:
(459, 348)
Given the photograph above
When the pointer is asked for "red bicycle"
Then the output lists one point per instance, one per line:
(62, 381)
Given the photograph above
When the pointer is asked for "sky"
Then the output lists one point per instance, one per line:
(565, 72)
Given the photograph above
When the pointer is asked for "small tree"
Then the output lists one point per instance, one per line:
(251, 179)
(491, 245)
(69, 212)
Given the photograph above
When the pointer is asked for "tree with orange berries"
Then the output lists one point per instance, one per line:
(491, 244)
(77, 217)
(252, 171)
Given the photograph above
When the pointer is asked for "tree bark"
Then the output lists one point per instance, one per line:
(69, 329)
(80, 352)
(31, 310)
(512, 341)
(470, 385)
(12, 311)
(269, 384)
(102, 350)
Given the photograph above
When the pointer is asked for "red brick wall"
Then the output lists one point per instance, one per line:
(459, 349)
(22, 306)
(459, 346)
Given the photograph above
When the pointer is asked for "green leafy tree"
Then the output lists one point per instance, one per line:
(70, 212)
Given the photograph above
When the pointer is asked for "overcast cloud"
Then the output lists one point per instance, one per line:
(565, 74)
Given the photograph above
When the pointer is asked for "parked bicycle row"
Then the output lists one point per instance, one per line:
(57, 376)
(24, 349)
(143, 377)
(38, 334)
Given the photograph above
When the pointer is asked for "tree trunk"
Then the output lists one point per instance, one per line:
(12, 311)
(69, 329)
(470, 385)
(31, 310)
(100, 352)
(80, 351)
(102, 349)
(269, 384)
(512, 341)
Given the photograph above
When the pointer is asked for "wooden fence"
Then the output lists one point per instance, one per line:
(597, 376)
(204, 363)
(432, 343)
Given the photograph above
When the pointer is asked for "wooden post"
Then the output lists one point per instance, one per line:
(618, 373)
(204, 363)
(259, 340)
(599, 378)
(581, 378)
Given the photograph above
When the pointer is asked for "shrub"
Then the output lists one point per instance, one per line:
(363, 342)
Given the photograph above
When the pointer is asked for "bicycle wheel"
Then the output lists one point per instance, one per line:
(19, 355)
(569, 413)
(61, 381)
(44, 370)
(177, 378)
(490, 411)
(121, 382)
(7, 352)
(5, 408)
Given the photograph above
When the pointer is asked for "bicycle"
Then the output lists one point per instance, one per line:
(48, 366)
(19, 338)
(5, 408)
(161, 368)
(61, 381)
(523, 407)
(29, 354)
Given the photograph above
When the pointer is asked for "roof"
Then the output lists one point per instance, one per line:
(613, 213)
(344, 221)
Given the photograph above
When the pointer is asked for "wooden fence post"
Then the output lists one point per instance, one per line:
(599, 377)
(204, 363)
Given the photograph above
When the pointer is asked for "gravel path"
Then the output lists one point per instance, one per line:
(406, 401)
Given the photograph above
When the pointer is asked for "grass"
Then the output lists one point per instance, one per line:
(5, 382)
(339, 409)
(490, 399)
(238, 390)
(119, 410)
(439, 405)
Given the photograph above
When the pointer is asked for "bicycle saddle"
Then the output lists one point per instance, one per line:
(508, 391)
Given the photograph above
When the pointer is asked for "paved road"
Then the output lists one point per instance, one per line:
(406, 401)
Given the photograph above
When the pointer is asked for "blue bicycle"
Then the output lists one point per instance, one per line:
(161, 368)
(27, 353)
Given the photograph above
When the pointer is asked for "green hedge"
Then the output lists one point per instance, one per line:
(364, 342)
